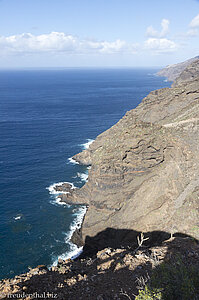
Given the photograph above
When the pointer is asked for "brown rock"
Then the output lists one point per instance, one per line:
(144, 171)
(174, 71)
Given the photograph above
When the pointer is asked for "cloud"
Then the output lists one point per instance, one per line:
(107, 47)
(192, 32)
(56, 43)
(28, 43)
(59, 42)
(194, 22)
(151, 32)
(157, 42)
(185, 36)
(165, 27)
(160, 45)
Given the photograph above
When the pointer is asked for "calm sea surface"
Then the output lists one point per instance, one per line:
(46, 117)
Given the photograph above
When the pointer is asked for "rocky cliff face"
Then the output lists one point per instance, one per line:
(144, 172)
(190, 73)
(174, 71)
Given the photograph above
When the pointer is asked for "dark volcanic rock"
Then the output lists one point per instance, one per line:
(64, 187)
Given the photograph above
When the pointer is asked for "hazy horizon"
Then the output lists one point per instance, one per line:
(114, 33)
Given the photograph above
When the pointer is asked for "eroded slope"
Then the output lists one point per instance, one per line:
(145, 169)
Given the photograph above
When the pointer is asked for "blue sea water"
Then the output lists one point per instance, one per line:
(45, 117)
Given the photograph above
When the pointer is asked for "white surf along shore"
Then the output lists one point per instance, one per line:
(74, 251)
(79, 214)
(87, 144)
(84, 147)
(52, 191)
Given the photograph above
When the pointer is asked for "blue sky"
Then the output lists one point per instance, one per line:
(81, 33)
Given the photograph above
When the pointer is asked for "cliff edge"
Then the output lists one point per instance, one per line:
(169, 271)
(171, 72)
(144, 172)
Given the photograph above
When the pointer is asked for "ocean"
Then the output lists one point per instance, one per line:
(47, 116)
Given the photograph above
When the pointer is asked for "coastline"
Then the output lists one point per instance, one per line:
(126, 158)
(62, 193)
(142, 188)
(81, 194)
(70, 197)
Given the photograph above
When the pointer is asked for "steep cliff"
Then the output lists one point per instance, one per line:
(174, 71)
(144, 171)
(190, 73)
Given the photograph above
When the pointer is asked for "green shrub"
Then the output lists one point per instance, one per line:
(172, 280)
(148, 294)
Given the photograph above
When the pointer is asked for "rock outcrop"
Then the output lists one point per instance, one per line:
(112, 274)
(144, 171)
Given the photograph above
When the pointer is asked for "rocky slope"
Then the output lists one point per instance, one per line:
(174, 71)
(112, 274)
(190, 73)
(144, 172)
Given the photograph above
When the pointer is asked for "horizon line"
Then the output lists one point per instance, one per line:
(79, 67)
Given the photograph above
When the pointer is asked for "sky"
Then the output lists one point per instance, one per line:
(97, 33)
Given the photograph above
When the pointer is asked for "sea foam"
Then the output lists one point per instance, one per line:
(83, 176)
(55, 199)
(53, 191)
(73, 161)
(74, 251)
(58, 201)
(17, 217)
(87, 144)
(84, 146)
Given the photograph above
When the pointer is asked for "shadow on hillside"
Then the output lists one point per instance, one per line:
(113, 238)
(116, 274)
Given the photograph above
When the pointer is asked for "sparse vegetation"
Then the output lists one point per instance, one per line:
(148, 294)
(173, 280)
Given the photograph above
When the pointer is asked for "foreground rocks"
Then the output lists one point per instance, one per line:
(109, 274)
